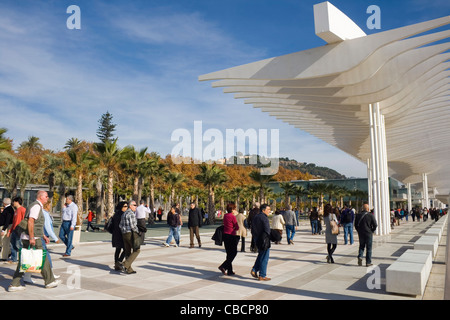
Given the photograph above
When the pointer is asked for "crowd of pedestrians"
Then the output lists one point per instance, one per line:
(33, 227)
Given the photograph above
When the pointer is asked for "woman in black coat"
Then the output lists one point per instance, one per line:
(117, 240)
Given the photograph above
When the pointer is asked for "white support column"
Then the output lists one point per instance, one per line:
(409, 197)
(369, 183)
(425, 199)
(385, 176)
(380, 177)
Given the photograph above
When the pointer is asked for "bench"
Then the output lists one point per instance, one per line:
(427, 242)
(409, 273)
(435, 231)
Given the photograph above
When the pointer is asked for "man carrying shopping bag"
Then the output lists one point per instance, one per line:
(32, 237)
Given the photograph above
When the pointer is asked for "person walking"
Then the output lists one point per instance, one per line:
(194, 223)
(142, 212)
(253, 212)
(230, 239)
(314, 219)
(330, 239)
(6, 220)
(175, 223)
(347, 219)
(291, 221)
(49, 234)
(117, 239)
(261, 233)
(69, 217)
(242, 232)
(32, 237)
(278, 224)
(15, 242)
(365, 225)
(90, 218)
(130, 235)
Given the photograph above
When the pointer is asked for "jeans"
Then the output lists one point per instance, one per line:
(66, 235)
(348, 231)
(290, 232)
(16, 244)
(261, 263)
(174, 232)
(365, 242)
(314, 226)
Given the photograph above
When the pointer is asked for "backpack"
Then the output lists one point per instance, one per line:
(346, 216)
(109, 225)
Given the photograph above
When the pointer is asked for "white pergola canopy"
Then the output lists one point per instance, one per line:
(328, 91)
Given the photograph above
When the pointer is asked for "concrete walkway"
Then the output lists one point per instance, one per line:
(298, 272)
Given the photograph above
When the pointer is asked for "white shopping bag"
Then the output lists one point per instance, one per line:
(32, 260)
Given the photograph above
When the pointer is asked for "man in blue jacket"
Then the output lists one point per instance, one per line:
(261, 233)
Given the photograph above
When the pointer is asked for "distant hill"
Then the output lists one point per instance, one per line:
(290, 164)
(311, 168)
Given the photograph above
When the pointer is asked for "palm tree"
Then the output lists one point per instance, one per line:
(262, 180)
(133, 163)
(195, 192)
(319, 190)
(211, 176)
(289, 189)
(4, 143)
(154, 169)
(52, 165)
(253, 189)
(341, 193)
(72, 144)
(15, 174)
(32, 145)
(237, 191)
(221, 193)
(109, 155)
(173, 179)
(299, 193)
(82, 163)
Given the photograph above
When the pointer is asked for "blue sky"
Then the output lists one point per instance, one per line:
(140, 60)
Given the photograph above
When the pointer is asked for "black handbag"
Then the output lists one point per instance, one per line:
(263, 242)
(218, 236)
(135, 240)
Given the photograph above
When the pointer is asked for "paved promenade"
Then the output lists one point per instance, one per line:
(298, 272)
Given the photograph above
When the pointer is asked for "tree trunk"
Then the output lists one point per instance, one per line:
(135, 189)
(211, 206)
(110, 208)
(99, 200)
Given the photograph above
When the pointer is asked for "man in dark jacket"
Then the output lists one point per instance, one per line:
(261, 233)
(366, 225)
(194, 223)
(253, 212)
(6, 219)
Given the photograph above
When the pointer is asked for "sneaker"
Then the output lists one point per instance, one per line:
(166, 244)
(16, 288)
(359, 262)
(53, 284)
